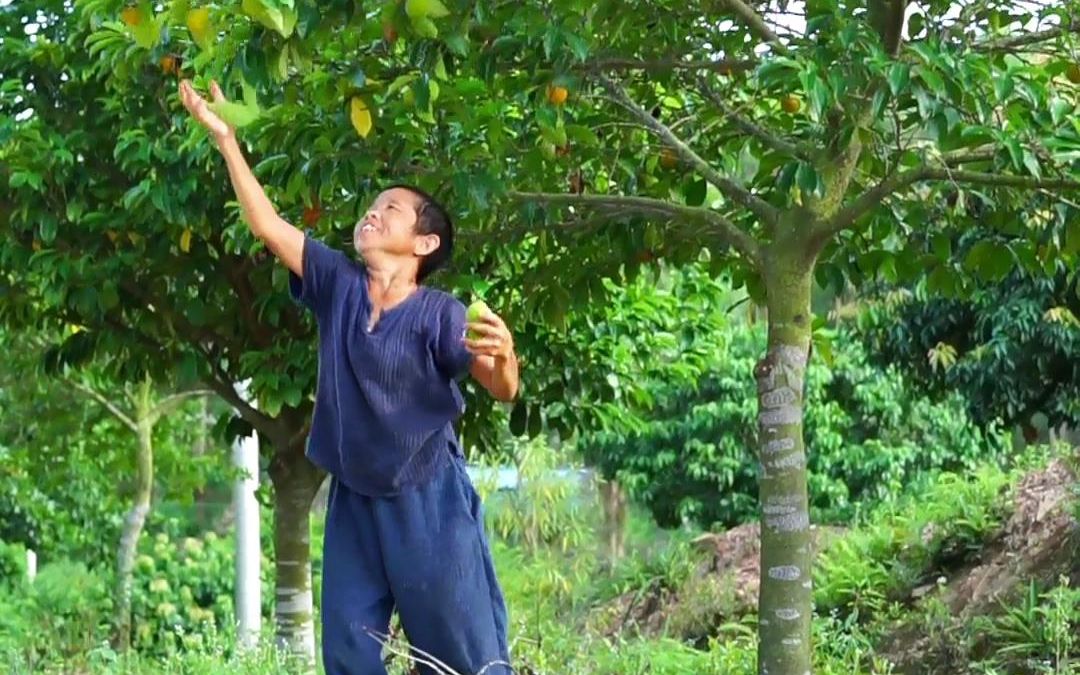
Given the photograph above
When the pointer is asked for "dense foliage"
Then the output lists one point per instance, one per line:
(1010, 349)
(871, 435)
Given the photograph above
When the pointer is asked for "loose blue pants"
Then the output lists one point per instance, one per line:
(424, 553)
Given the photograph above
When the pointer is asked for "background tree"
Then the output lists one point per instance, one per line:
(139, 410)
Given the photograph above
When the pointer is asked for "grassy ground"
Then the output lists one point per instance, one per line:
(555, 585)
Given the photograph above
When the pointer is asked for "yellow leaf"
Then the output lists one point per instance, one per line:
(198, 22)
(185, 241)
(131, 16)
(360, 116)
(141, 24)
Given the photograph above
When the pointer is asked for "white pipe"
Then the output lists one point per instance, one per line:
(245, 454)
(31, 564)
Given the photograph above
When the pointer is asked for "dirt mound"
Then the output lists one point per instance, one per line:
(723, 586)
(1039, 542)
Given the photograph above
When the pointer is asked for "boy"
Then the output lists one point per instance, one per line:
(404, 527)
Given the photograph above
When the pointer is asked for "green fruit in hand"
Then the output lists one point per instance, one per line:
(473, 314)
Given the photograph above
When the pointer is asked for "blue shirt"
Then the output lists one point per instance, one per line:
(386, 399)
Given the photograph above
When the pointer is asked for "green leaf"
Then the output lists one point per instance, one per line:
(916, 24)
(823, 347)
(425, 27)
(932, 80)
(1004, 87)
(582, 135)
(358, 79)
(942, 281)
(786, 180)
(942, 247)
(989, 260)
(1059, 110)
(1072, 239)
(880, 99)
(1031, 163)
(1015, 152)
(748, 165)
(458, 44)
(269, 16)
(148, 31)
(425, 9)
(578, 46)
(519, 418)
(695, 192)
(536, 421)
(236, 115)
(775, 71)
(807, 179)
(47, 229)
(899, 75)
(178, 11)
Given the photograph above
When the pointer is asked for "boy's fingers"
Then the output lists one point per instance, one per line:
(491, 318)
(485, 346)
(486, 329)
(216, 91)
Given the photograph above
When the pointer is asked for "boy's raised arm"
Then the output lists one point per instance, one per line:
(282, 238)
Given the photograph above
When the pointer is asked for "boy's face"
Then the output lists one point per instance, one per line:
(389, 226)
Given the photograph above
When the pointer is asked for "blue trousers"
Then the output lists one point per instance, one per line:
(424, 553)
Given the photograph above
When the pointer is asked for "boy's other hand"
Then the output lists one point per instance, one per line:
(200, 110)
(489, 336)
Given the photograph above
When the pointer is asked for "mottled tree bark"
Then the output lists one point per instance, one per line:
(785, 607)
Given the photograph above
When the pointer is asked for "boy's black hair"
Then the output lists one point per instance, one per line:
(431, 218)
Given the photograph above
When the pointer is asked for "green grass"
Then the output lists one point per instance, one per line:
(863, 582)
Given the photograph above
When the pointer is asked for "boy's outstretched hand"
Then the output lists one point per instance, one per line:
(489, 336)
(200, 110)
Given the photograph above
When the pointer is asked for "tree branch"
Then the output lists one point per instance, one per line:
(725, 66)
(750, 128)
(119, 414)
(984, 153)
(724, 229)
(733, 191)
(221, 383)
(898, 181)
(980, 178)
(887, 18)
(754, 21)
(171, 402)
(1005, 44)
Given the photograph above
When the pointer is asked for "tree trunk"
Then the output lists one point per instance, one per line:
(784, 603)
(613, 499)
(296, 481)
(133, 525)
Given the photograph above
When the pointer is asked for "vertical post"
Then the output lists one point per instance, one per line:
(31, 565)
(245, 454)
